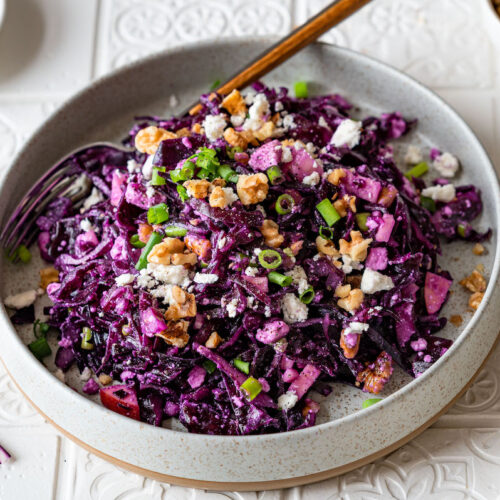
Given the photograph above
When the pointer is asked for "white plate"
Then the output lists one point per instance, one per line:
(346, 437)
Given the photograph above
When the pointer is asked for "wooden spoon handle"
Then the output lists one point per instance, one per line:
(299, 38)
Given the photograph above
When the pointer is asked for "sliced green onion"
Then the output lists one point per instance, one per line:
(126, 330)
(176, 175)
(361, 219)
(154, 239)
(187, 170)
(175, 232)
(227, 173)
(461, 230)
(328, 212)
(251, 387)
(231, 151)
(182, 192)
(428, 203)
(326, 233)
(307, 295)
(136, 242)
(40, 329)
(273, 256)
(300, 89)
(158, 214)
(279, 279)
(157, 179)
(23, 253)
(40, 348)
(284, 204)
(214, 85)
(418, 170)
(243, 366)
(275, 175)
(288, 251)
(210, 366)
(203, 265)
(369, 402)
(86, 338)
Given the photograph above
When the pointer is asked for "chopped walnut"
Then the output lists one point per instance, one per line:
(296, 247)
(200, 246)
(353, 301)
(377, 374)
(48, 275)
(198, 188)
(357, 248)
(326, 247)
(266, 131)
(475, 299)
(342, 204)
(184, 259)
(239, 139)
(213, 341)
(271, 234)
(218, 198)
(218, 182)
(184, 306)
(349, 351)
(183, 132)
(456, 320)
(478, 249)
(148, 139)
(335, 175)
(235, 103)
(342, 291)
(197, 128)
(162, 252)
(176, 333)
(144, 232)
(354, 280)
(252, 188)
(475, 282)
(105, 379)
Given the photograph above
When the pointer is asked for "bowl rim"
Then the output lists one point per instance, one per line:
(358, 57)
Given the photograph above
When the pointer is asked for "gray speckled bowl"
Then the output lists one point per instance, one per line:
(345, 437)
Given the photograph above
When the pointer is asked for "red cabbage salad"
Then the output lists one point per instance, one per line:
(242, 259)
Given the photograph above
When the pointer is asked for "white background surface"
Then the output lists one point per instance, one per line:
(51, 48)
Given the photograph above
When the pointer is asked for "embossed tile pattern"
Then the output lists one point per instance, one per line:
(439, 43)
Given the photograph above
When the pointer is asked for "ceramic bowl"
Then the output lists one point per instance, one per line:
(346, 436)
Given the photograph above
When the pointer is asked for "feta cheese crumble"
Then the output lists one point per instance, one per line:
(95, 197)
(132, 166)
(348, 133)
(205, 278)
(299, 278)
(287, 401)
(293, 309)
(256, 112)
(251, 271)
(444, 193)
(286, 155)
(373, 281)
(147, 167)
(124, 279)
(356, 327)
(214, 126)
(231, 308)
(229, 195)
(413, 155)
(311, 179)
(86, 225)
(322, 122)
(20, 300)
(446, 164)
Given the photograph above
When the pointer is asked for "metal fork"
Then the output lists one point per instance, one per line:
(59, 180)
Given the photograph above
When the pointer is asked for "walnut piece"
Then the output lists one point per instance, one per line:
(218, 198)
(235, 103)
(344, 203)
(239, 139)
(335, 175)
(200, 246)
(353, 301)
(198, 188)
(475, 299)
(478, 249)
(475, 282)
(48, 275)
(349, 351)
(272, 237)
(105, 379)
(184, 306)
(162, 252)
(176, 333)
(148, 139)
(376, 375)
(265, 132)
(252, 188)
(357, 248)
(213, 341)
(184, 259)
(326, 247)
(456, 320)
(144, 232)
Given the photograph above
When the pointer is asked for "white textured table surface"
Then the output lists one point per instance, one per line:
(51, 48)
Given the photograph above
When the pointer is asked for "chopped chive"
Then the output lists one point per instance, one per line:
(158, 214)
(40, 329)
(214, 85)
(40, 348)
(86, 338)
(232, 151)
(182, 192)
(228, 174)
(23, 253)
(203, 265)
(307, 295)
(243, 366)
(275, 175)
(175, 232)
(300, 89)
(176, 175)
(284, 204)
(210, 366)
(418, 170)
(136, 242)
(361, 219)
(328, 212)
(461, 230)
(157, 179)
(251, 387)
(369, 402)
(154, 239)
(428, 203)
(187, 170)
(273, 256)
(326, 233)
(279, 279)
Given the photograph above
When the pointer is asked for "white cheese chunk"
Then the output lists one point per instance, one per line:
(21, 300)
(348, 133)
(373, 281)
(444, 193)
(293, 309)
